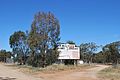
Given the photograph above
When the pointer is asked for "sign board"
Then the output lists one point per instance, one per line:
(68, 51)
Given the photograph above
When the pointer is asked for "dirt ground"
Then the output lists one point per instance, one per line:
(89, 74)
(7, 73)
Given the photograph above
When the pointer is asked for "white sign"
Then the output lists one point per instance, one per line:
(68, 51)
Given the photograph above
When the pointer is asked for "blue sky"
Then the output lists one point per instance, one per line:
(81, 20)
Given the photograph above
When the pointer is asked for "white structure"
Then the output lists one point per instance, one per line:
(81, 62)
(68, 51)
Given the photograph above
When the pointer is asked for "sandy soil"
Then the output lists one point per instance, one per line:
(7, 73)
(89, 74)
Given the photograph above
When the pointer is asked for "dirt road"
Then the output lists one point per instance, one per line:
(89, 74)
(7, 73)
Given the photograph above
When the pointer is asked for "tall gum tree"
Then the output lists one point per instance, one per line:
(43, 39)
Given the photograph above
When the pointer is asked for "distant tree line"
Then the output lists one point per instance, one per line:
(4, 55)
(37, 47)
(110, 53)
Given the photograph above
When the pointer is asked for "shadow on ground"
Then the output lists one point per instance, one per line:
(7, 78)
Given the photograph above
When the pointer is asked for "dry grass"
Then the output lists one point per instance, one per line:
(50, 69)
(62, 67)
(110, 73)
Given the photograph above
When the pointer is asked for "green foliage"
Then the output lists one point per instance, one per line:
(87, 50)
(18, 43)
(99, 57)
(4, 55)
(51, 56)
(111, 52)
(70, 42)
(69, 62)
(43, 39)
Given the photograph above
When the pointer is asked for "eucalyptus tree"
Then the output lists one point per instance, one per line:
(112, 52)
(43, 38)
(87, 50)
(17, 42)
(99, 57)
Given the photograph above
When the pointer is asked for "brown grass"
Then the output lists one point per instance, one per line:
(110, 74)
(50, 69)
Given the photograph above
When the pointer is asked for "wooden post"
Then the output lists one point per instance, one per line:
(76, 63)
